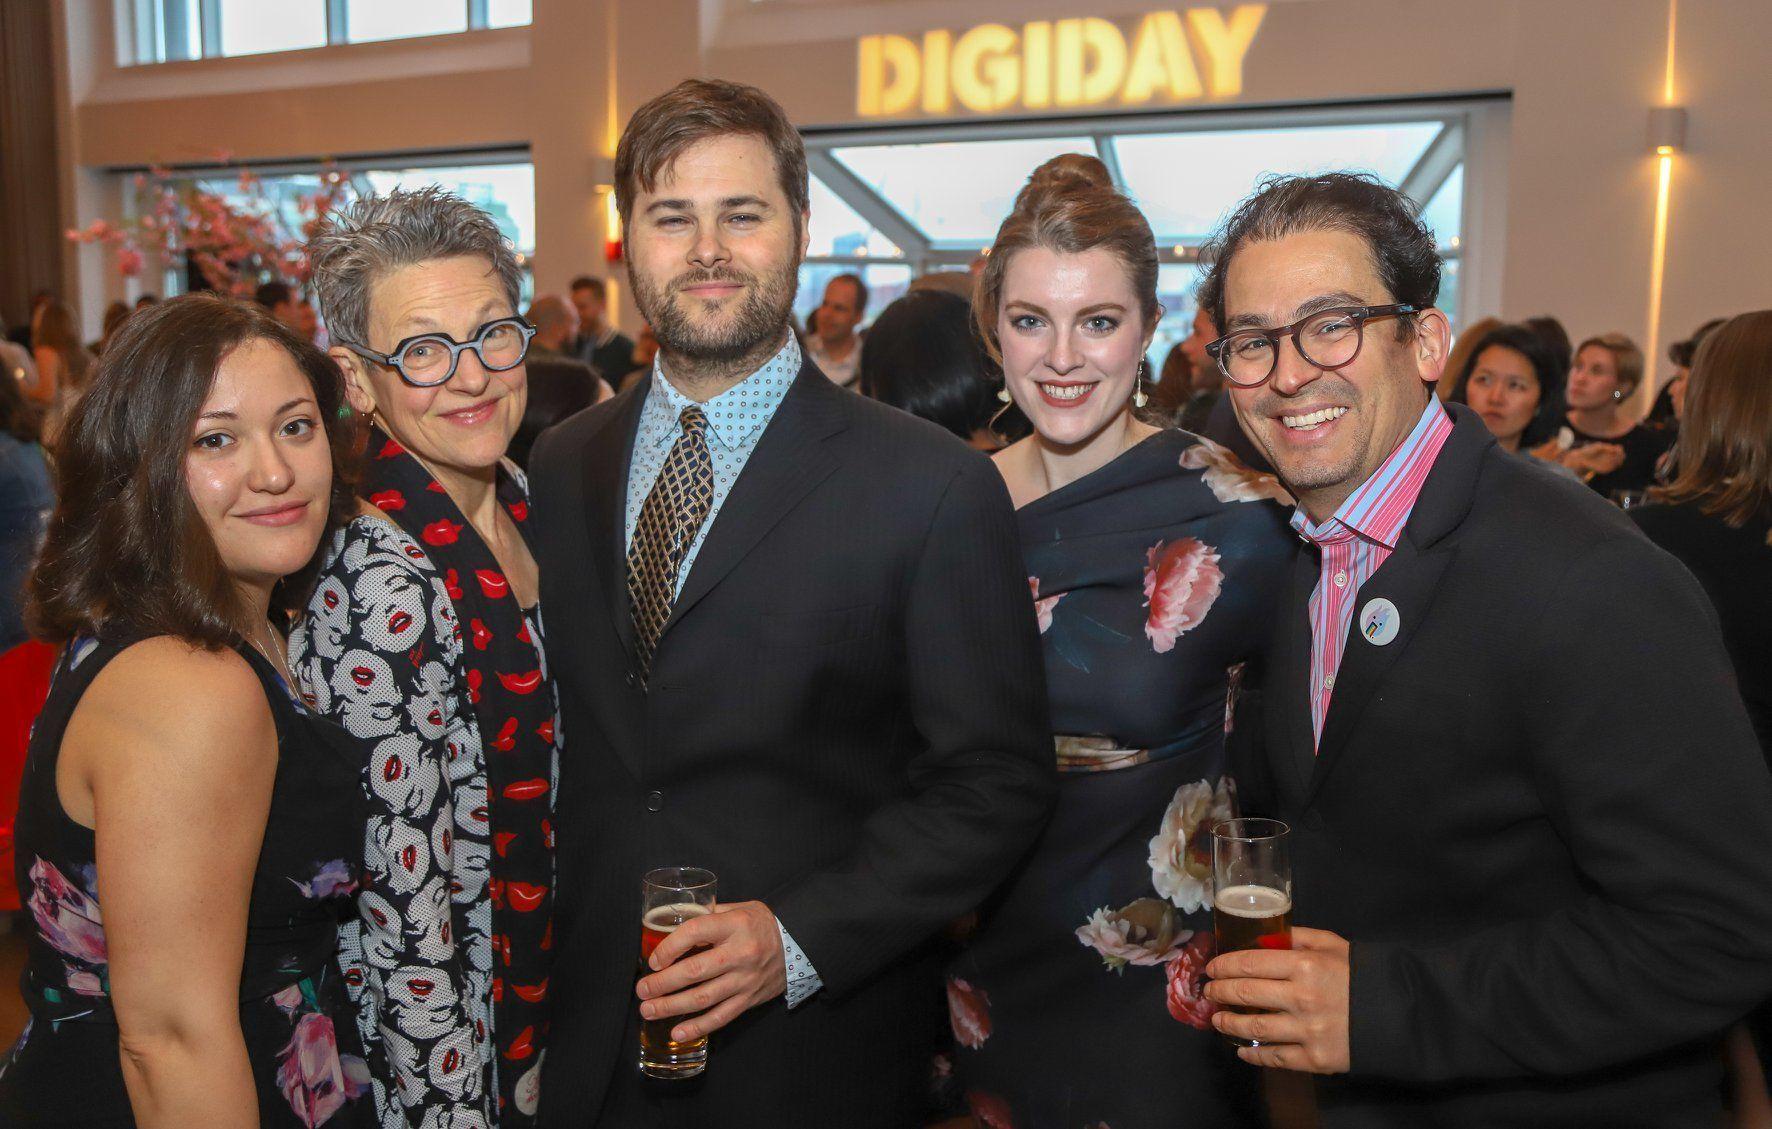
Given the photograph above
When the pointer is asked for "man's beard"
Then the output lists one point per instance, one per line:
(760, 319)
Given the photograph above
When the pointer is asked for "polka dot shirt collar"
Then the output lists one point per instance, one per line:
(735, 416)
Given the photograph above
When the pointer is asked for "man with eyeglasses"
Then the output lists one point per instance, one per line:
(1528, 816)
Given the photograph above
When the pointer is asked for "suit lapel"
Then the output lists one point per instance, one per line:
(606, 462)
(1409, 579)
(791, 458)
(1294, 755)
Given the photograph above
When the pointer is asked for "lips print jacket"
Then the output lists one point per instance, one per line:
(457, 891)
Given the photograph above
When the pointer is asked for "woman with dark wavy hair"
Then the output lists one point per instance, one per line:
(187, 833)
(1511, 378)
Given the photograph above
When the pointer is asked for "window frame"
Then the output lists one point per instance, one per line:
(156, 26)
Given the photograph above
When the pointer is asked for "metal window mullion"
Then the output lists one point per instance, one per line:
(338, 22)
(210, 21)
(1110, 156)
(479, 14)
(1435, 165)
(867, 203)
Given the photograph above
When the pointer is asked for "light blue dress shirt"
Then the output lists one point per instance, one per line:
(736, 420)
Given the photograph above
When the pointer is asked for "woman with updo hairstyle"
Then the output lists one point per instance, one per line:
(1153, 558)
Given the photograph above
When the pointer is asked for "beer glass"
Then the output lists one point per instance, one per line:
(670, 896)
(1251, 890)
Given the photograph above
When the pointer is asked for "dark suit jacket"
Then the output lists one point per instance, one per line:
(1538, 813)
(846, 719)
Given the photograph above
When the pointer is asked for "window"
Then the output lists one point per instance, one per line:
(932, 197)
(504, 189)
(172, 30)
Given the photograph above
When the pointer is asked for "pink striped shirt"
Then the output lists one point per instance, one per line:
(1356, 540)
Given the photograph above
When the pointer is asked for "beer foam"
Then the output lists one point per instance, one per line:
(665, 919)
(1252, 901)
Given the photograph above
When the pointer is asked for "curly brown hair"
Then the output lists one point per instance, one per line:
(127, 554)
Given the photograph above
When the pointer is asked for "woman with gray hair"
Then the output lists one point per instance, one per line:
(424, 640)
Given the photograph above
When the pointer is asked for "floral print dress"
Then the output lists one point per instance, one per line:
(301, 1037)
(1075, 1002)
(416, 643)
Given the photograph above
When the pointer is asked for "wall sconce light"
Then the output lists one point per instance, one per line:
(1667, 130)
(612, 238)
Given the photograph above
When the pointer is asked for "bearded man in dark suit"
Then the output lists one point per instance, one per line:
(795, 644)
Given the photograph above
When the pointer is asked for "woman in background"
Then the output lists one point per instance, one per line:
(187, 831)
(1510, 377)
(25, 500)
(1604, 443)
(62, 364)
(1716, 516)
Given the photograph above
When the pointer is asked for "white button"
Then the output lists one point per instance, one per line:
(1328, 682)
(1341, 579)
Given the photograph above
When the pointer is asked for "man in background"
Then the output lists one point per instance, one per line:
(596, 342)
(282, 301)
(833, 344)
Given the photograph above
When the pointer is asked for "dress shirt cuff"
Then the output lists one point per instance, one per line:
(802, 977)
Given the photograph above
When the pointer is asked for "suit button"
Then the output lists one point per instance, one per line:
(633, 679)
(655, 801)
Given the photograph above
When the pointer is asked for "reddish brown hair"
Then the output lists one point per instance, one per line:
(1723, 461)
(127, 553)
(693, 111)
(1069, 205)
(54, 328)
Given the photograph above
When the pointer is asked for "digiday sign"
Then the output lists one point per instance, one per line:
(1058, 63)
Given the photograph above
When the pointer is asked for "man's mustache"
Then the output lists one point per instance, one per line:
(702, 278)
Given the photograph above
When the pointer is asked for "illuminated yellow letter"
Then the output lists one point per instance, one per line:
(1226, 44)
(1036, 65)
(875, 95)
(1081, 42)
(1160, 60)
(987, 75)
(937, 47)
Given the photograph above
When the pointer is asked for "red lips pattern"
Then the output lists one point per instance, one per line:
(503, 738)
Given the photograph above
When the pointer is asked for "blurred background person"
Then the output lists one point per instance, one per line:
(114, 315)
(26, 497)
(559, 384)
(1551, 331)
(831, 338)
(187, 829)
(62, 364)
(1607, 447)
(645, 351)
(597, 342)
(282, 301)
(959, 283)
(1671, 403)
(1190, 383)
(16, 364)
(922, 357)
(1153, 558)
(1462, 346)
(1716, 517)
(458, 747)
(556, 326)
(307, 322)
(1509, 376)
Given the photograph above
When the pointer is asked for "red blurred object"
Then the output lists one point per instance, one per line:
(612, 250)
(24, 686)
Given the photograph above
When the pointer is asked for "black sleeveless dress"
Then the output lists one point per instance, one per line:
(300, 1037)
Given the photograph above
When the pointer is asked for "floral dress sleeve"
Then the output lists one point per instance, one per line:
(380, 653)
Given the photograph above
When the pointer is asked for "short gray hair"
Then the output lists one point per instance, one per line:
(370, 237)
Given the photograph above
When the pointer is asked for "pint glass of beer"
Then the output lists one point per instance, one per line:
(1251, 889)
(670, 896)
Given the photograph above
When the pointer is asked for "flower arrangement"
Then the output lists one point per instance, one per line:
(235, 243)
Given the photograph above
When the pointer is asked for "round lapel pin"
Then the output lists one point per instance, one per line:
(1379, 621)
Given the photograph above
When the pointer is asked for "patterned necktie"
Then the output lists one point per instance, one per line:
(668, 523)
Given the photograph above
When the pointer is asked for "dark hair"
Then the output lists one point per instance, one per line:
(127, 553)
(1724, 454)
(861, 291)
(693, 111)
(147, 299)
(1681, 353)
(19, 418)
(586, 282)
(1403, 249)
(922, 357)
(270, 295)
(1552, 378)
(1069, 205)
(1553, 334)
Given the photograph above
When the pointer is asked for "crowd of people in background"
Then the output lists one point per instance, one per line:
(358, 555)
